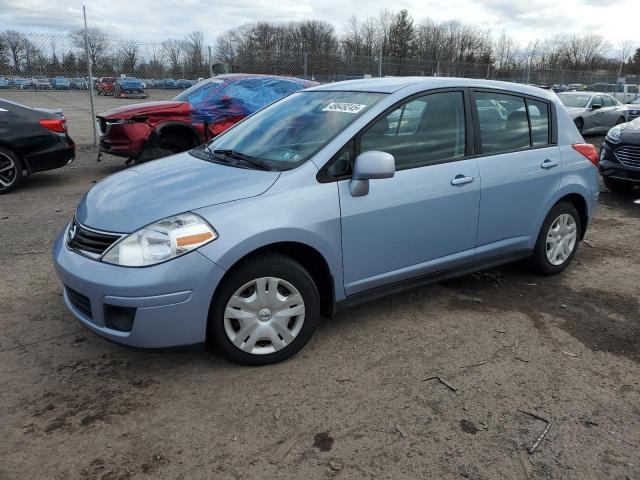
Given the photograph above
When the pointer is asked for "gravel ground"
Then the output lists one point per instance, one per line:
(77, 107)
(357, 402)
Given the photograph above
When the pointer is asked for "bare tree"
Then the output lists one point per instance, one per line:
(17, 45)
(194, 45)
(128, 57)
(173, 50)
(97, 40)
(625, 50)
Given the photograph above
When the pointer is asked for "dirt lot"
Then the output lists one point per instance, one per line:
(357, 402)
(77, 107)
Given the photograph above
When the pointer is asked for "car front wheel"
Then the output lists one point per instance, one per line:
(265, 311)
(558, 240)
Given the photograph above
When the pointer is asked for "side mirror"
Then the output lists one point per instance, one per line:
(371, 165)
(596, 106)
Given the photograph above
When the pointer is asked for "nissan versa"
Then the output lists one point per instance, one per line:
(326, 198)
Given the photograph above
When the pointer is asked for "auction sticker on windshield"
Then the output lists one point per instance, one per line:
(344, 107)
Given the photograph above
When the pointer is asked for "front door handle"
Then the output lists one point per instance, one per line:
(461, 180)
(547, 164)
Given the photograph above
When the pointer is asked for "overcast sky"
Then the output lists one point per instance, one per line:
(524, 20)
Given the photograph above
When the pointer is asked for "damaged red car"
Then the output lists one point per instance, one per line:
(149, 130)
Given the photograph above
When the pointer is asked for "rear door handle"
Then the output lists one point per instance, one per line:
(547, 164)
(461, 180)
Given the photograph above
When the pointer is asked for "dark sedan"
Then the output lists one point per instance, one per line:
(31, 140)
(620, 157)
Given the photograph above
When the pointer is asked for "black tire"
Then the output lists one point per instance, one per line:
(579, 124)
(11, 177)
(269, 265)
(539, 261)
(618, 186)
(620, 121)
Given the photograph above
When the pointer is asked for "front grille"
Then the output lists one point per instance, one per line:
(89, 241)
(79, 301)
(628, 155)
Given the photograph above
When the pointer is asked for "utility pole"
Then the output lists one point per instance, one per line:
(380, 60)
(210, 63)
(86, 51)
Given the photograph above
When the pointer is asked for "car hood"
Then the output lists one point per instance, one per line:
(575, 111)
(630, 132)
(138, 196)
(127, 111)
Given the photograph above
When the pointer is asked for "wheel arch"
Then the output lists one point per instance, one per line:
(162, 128)
(20, 155)
(309, 257)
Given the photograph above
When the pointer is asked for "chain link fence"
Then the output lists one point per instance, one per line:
(51, 71)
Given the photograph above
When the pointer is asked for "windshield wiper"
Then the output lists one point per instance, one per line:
(242, 157)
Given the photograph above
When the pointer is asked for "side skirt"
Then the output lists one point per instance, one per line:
(398, 287)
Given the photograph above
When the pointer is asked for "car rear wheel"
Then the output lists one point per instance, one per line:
(10, 170)
(618, 186)
(579, 124)
(558, 240)
(265, 311)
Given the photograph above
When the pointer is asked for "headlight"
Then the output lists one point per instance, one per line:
(119, 121)
(614, 134)
(161, 241)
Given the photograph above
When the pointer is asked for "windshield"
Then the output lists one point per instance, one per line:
(290, 131)
(579, 101)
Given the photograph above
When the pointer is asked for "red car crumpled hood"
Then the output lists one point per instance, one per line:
(126, 111)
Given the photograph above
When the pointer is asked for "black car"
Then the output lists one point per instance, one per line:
(31, 140)
(620, 157)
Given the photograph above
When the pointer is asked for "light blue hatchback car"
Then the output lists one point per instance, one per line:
(324, 199)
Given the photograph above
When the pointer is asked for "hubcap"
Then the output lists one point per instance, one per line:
(8, 171)
(561, 239)
(264, 315)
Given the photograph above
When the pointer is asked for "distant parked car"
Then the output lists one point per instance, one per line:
(622, 91)
(634, 108)
(593, 112)
(60, 83)
(620, 157)
(129, 87)
(168, 83)
(42, 83)
(4, 83)
(31, 140)
(184, 83)
(18, 82)
(79, 84)
(148, 130)
(105, 85)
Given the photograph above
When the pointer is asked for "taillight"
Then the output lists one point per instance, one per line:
(587, 150)
(57, 125)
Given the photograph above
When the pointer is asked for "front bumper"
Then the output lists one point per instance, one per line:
(124, 140)
(611, 167)
(169, 302)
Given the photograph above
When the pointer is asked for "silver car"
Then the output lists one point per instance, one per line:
(594, 112)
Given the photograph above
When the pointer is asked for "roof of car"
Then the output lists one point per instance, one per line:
(393, 84)
(238, 76)
(585, 92)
